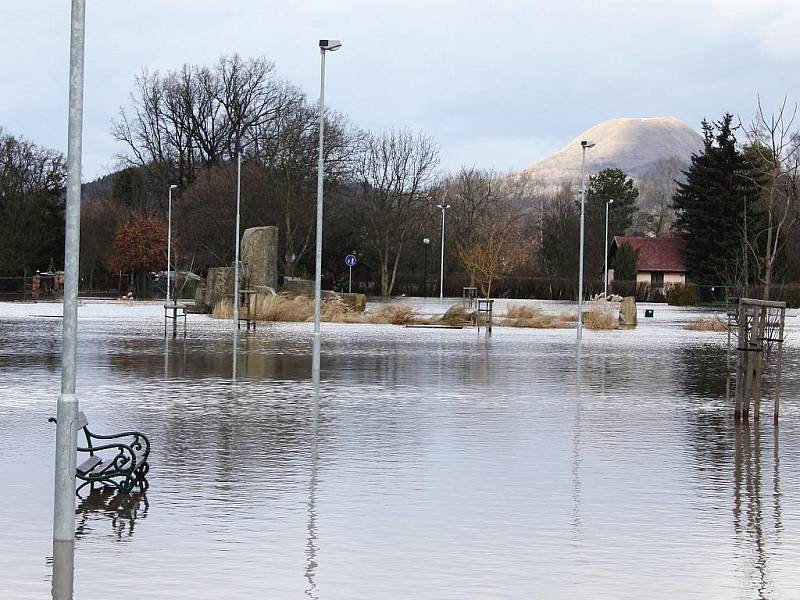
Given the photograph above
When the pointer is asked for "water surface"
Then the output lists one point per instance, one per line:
(426, 464)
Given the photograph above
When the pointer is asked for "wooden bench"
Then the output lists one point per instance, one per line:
(118, 460)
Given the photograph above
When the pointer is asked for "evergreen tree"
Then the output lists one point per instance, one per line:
(712, 205)
(608, 184)
(626, 262)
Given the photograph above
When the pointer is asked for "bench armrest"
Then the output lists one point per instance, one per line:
(123, 462)
(139, 441)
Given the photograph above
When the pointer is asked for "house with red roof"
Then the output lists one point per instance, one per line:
(660, 261)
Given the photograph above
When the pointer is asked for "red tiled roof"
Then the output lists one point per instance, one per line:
(655, 254)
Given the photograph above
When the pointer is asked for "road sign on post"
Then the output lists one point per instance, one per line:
(350, 260)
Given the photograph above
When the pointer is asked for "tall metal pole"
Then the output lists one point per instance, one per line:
(425, 243)
(441, 268)
(580, 261)
(236, 260)
(605, 260)
(318, 264)
(67, 408)
(169, 242)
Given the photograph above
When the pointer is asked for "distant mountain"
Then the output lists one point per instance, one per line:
(633, 145)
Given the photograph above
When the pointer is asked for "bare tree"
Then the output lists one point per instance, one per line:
(774, 153)
(499, 251)
(394, 171)
(477, 198)
(197, 116)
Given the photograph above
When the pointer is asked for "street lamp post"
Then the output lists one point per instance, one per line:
(169, 240)
(444, 207)
(236, 247)
(425, 244)
(605, 261)
(584, 145)
(330, 46)
(67, 405)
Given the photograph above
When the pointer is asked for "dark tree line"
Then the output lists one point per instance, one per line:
(32, 183)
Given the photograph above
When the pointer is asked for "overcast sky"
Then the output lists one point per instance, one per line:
(497, 83)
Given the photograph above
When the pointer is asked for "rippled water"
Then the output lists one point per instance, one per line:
(428, 464)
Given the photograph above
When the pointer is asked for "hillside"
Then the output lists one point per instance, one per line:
(633, 145)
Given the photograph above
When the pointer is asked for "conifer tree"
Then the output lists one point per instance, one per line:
(713, 205)
(608, 184)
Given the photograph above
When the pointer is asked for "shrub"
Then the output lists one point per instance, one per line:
(682, 295)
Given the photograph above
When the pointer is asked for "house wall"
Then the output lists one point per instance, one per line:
(674, 278)
(669, 278)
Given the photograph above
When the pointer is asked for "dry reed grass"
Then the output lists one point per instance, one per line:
(520, 315)
(457, 315)
(301, 308)
(394, 314)
(598, 318)
(710, 324)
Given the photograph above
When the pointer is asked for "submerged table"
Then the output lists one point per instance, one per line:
(245, 302)
(174, 311)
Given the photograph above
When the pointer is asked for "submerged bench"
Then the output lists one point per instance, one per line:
(118, 460)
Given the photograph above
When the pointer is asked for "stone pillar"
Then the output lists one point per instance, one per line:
(627, 312)
(219, 285)
(260, 257)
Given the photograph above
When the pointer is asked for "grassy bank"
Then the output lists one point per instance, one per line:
(301, 309)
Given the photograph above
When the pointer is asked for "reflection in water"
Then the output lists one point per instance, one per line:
(63, 569)
(311, 544)
(750, 518)
(106, 503)
(576, 441)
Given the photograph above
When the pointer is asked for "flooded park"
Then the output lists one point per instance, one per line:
(426, 463)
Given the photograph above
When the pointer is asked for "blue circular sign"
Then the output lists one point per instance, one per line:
(350, 260)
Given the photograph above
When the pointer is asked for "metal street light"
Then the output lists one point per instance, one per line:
(426, 242)
(169, 240)
(236, 250)
(67, 405)
(584, 145)
(329, 46)
(444, 207)
(605, 262)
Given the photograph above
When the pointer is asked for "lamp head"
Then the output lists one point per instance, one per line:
(330, 45)
(587, 144)
(426, 241)
(443, 206)
(611, 201)
(173, 187)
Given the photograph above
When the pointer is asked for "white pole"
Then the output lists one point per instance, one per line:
(67, 407)
(320, 166)
(350, 284)
(236, 260)
(169, 242)
(605, 260)
(441, 262)
(580, 262)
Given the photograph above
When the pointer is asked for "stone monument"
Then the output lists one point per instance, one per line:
(260, 257)
(627, 312)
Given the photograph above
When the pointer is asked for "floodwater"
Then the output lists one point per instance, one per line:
(427, 464)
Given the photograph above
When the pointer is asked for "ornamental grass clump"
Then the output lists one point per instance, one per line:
(599, 318)
(710, 324)
(394, 314)
(457, 315)
(520, 315)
